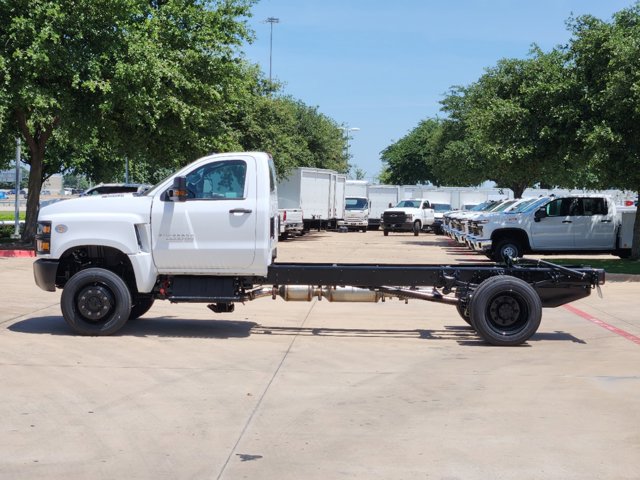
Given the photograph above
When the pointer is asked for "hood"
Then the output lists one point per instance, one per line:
(400, 209)
(117, 203)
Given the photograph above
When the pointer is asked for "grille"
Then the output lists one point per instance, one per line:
(394, 217)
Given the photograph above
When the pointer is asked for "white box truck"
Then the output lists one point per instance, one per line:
(381, 197)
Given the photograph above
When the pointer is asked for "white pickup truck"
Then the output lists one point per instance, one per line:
(569, 224)
(290, 221)
(209, 234)
(413, 215)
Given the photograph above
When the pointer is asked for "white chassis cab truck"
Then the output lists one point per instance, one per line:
(413, 215)
(208, 234)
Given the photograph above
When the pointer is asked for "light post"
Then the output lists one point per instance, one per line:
(16, 233)
(346, 132)
(271, 20)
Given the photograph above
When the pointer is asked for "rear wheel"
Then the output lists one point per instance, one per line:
(96, 301)
(463, 311)
(417, 226)
(141, 305)
(505, 310)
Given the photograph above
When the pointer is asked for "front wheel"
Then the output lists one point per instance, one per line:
(385, 233)
(96, 301)
(505, 310)
(507, 248)
(417, 226)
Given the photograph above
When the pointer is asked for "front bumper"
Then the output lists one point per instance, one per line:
(44, 273)
(480, 244)
(353, 223)
(398, 227)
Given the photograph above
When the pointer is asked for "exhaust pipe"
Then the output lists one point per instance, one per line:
(306, 293)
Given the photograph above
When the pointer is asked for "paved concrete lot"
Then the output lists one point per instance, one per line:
(317, 390)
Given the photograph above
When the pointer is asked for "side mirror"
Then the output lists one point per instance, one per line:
(178, 193)
(426, 205)
(540, 214)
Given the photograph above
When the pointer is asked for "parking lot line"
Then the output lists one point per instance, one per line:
(618, 331)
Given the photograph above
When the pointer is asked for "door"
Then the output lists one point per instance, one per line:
(215, 228)
(555, 231)
(594, 225)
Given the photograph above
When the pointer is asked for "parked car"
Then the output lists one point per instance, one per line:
(107, 188)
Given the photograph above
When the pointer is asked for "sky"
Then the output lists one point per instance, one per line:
(383, 66)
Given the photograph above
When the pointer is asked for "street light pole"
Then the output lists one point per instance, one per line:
(271, 20)
(346, 131)
(16, 233)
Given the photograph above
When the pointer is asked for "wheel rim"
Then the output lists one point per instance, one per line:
(95, 302)
(507, 314)
(510, 251)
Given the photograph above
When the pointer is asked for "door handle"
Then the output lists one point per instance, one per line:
(605, 221)
(567, 221)
(240, 210)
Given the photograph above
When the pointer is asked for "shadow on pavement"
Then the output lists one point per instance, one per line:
(143, 327)
(223, 329)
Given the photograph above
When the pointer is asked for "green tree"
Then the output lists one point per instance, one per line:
(409, 160)
(520, 114)
(606, 61)
(98, 80)
(295, 134)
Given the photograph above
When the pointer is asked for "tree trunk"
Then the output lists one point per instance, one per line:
(518, 190)
(33, 198)
(635, 248)
(37, 143)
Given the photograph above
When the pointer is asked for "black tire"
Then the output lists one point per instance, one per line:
(96, 301)
(463, 310)
(509, 247)
(505, 311)
(141, 305)
(386, 233)
(417, 226)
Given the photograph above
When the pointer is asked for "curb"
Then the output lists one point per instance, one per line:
(620, 277)
(17, 253)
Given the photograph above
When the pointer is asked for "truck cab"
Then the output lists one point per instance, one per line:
(210, 218)
(356, 213)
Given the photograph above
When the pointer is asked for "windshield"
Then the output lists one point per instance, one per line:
(520, 205)
(408, 204)
(502, 206)
(535, 204)
(355, 203)
(441, 207)
(479, 207)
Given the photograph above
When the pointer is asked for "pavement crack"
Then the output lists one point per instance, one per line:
(264, 394)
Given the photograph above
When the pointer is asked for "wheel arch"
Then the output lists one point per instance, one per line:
(516, 234)
(81, 257)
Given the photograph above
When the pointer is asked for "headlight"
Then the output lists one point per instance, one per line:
(409, 216)
(43, 238)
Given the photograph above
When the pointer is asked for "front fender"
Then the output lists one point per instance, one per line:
(116, 231)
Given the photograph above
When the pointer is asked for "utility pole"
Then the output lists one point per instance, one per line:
(16, 233)
(271, 20)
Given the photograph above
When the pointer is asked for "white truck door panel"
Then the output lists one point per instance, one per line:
(215, 228)
(556, 230)
(596, 225)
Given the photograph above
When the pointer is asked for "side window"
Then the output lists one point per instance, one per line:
(595, 206)
(272, 175)
(218, 180)
(561, 207)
